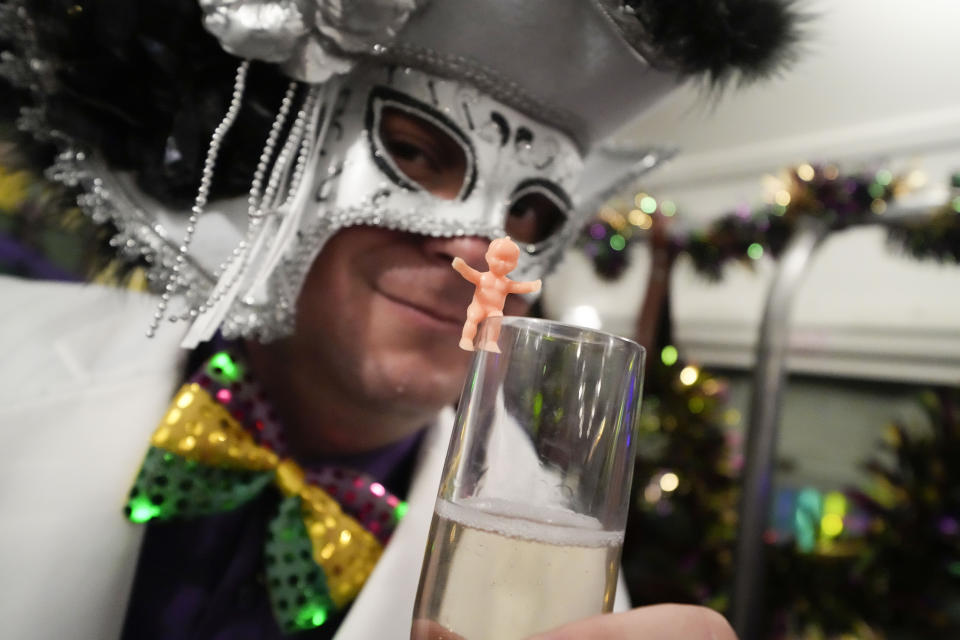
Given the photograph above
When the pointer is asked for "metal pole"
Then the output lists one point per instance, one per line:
(761, 442)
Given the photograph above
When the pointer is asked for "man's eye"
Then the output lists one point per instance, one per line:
(423, 152)
(534, 217)
(409, 155)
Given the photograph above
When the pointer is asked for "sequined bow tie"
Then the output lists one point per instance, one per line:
(202, 461)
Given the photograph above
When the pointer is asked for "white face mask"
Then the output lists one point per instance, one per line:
(406, 150)
(504, 173)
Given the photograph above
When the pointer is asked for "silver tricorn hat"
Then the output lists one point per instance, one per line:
(583, 67)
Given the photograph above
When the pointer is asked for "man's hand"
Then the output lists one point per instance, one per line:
(430, 630)
(659, 622)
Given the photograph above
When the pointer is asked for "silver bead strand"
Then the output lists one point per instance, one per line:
(254, 197)
(239, 85)
(254, 200)
(309, 142)
(257, 215)
(280, 167)
(306, 146)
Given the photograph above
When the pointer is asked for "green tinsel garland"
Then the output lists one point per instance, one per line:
(745, 234)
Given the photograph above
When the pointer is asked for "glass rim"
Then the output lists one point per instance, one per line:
(554, 328)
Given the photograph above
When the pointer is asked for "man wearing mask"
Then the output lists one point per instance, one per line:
(360, 147)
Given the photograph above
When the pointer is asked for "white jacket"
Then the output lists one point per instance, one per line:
(81, 390)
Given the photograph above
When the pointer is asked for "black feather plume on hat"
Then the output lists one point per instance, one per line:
(719, 40)
(143, 83)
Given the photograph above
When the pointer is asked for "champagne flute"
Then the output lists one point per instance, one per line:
(529, 518)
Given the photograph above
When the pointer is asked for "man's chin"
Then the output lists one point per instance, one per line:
(423, 379)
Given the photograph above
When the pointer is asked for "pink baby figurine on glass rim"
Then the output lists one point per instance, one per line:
(492, 289)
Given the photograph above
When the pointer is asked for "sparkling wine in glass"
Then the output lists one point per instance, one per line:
(528, 524)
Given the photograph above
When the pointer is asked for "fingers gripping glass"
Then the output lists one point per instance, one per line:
(418, 147)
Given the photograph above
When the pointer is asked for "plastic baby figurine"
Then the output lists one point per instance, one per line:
(492, 289)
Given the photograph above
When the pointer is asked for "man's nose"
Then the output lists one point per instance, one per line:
(471, 249)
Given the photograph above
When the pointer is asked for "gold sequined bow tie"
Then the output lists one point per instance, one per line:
(202, 461)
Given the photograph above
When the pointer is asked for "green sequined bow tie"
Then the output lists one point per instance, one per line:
(202, 461)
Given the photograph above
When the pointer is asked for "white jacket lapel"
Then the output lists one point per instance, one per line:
(89, 391)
